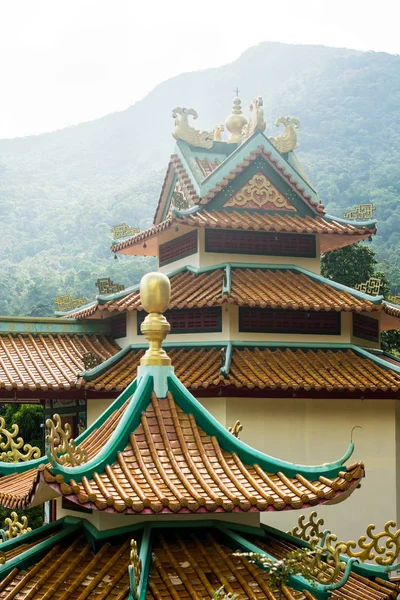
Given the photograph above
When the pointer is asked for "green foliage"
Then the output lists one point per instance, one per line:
(29, 418)
(280, 571)
(350, 265)
(61, 192)
(220, 594)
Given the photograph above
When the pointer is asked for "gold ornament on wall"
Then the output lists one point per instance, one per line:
(14, 449)
(236, 429)
(287, 141)
(372, 286)
(187, 133)
(361, 211)
(67, 302)
(259, 192)
(62, 448)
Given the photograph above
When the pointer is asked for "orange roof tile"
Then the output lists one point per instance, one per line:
(273, 288)
(48, 361)
(333, 234)
(186, 564)
(262, 368)
(171, 465)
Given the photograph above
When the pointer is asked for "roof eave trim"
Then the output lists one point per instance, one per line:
(358, 224)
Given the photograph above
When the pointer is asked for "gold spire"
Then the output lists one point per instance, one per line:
(155, 292)
(236, 121)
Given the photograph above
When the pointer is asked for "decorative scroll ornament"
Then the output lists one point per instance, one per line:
(90, 360)
(394, 299)
(383, 547)
(256, 120)
(184, 131)
(123, 230)
(287, 141)
(308, 530)
(62, 448)
(372, 286)
(13, 449)
(67, 302)
(361, 211)
(218, 133)
(259, 192)
(135, 569)
(15, 528)
(3, 558)
(179, 200)
(106, 286)
(236, 429)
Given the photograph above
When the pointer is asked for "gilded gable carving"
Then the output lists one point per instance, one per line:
(259, 192)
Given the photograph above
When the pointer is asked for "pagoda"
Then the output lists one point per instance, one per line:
(167, 504)
(257, 334)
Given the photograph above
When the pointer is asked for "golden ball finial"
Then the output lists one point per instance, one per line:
(236, 121)
(155, 293)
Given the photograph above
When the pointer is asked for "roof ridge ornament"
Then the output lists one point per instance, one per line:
(256, 120)
(287, 141)
(12, 446)
(236, 121)
(62, 447)
(155, 293)
(187, 133)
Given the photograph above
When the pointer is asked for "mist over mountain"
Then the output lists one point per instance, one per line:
(61, 192)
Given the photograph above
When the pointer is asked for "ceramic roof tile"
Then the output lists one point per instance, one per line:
(48, 361)
(263, 368)
(273, 288)
(186, 564)
(343, 233)
(171, 465)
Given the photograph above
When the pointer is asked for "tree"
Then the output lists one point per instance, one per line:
(356, 264)
(349, 265)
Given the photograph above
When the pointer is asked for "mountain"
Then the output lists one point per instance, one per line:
(61, 192)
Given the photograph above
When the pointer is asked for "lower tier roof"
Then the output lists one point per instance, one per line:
(261, 367)
(47, 361)
(179, 561)
(149, 455)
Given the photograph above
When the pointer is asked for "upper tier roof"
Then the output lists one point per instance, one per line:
(274, 286)
(154, 455)
(187, 561)
(216, 186)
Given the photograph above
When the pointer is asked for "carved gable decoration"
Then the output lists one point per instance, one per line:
(259, 192)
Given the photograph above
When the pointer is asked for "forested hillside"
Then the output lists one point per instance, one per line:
(61, 192)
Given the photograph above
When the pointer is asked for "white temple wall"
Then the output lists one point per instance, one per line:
(315, 431)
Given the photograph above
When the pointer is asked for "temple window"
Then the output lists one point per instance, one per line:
(118, 326)
(180, 247)
(365, 328)
(260, 242)
(193, 320)
(268, 320)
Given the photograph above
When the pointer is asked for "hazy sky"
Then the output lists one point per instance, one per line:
(68, 61)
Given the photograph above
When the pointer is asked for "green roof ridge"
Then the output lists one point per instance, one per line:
(119, 438)
(357, 224)
(248, 455)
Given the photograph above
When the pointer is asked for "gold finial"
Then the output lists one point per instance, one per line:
(236, 121)
(155, 292)
(287, 141)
